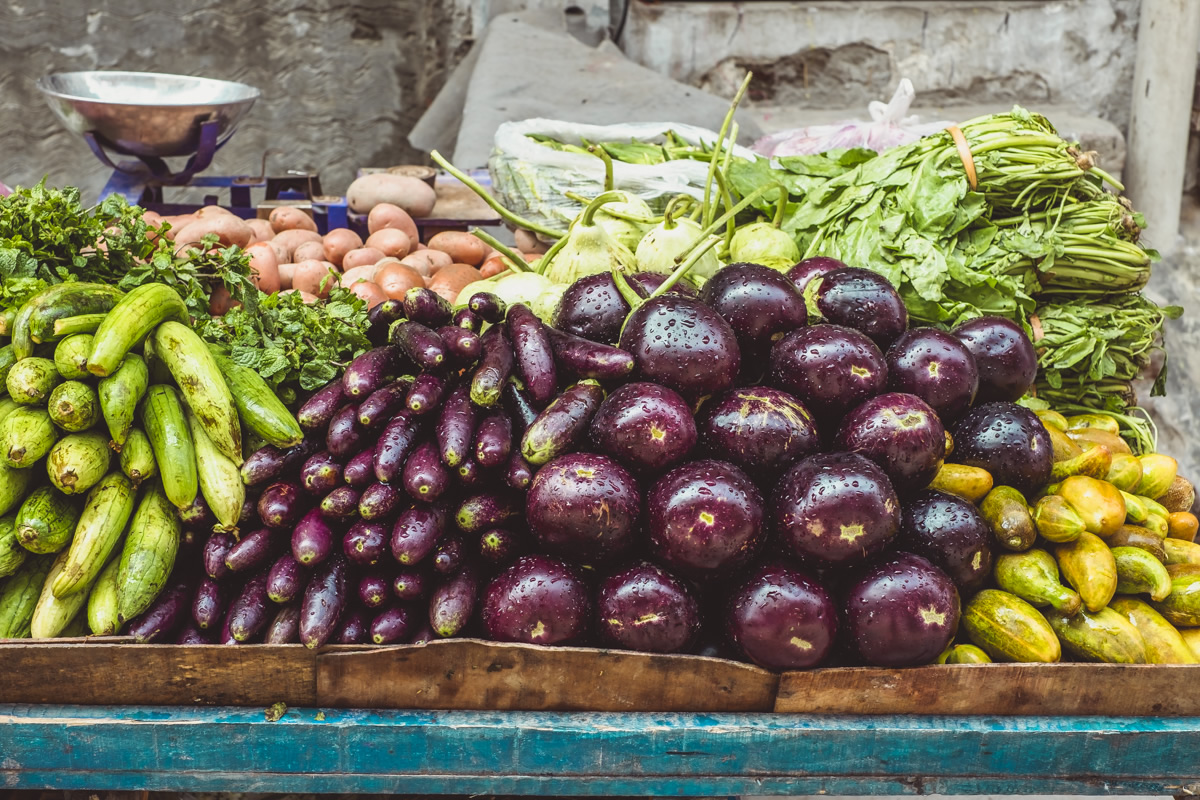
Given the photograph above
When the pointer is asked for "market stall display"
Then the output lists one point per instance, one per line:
(876, 425)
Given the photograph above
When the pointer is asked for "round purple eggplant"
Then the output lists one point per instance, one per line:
(1008, 441)
(644, 607)
(341, 503)
(644, 426)
(584, 507)
(935, 366)
(759, 303)
(829, 368)
(900, 433)
(860, 299)
(684, 345)
(197, 514)
(281, 505)
(449, 555)
(393, 625)
(704, 518)
(321, 474)
(366, 542)
(902, 611)
(1003, 354)
(416, 533)
(762, 430)
(374, 591)
(424, 476)
(811, 268)
(352, 628)
(594, 309)
(501, 545)
(380, 501)
(835, 509)
(782, 618)
(950, 532)
(538, 600)
(409, 584)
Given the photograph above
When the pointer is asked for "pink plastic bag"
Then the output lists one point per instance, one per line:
(888, 127)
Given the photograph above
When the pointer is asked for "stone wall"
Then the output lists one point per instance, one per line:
(342, 82)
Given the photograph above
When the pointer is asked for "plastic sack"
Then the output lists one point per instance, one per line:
(888, 127)
(531, 179)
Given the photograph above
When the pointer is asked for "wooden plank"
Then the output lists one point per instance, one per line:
(473, 674)
(118, 674)
(1140, 690)
(464, 752)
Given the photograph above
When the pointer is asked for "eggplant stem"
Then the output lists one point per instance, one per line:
(603, 155)
(486, 196)
(518, 264)
(716, 155)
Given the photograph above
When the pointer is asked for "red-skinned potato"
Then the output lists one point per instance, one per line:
(462, 247)
(286, 273)
(419, 246)
(315, 277)
(264, 267)
(412, 194)
(220, 301)
(528, 243)
(208, 212)
(387, 215)
(427, 262)
(396, 279)
(307, 251)
(492, 267)
(307, 297)
(178, 222)
(340, 241)
(262, 229)
(370, 292)
(289, 218)
(362, 256)
(364, 273)
(451, 280)
(229, 231)
(290, 240)
(390, 242)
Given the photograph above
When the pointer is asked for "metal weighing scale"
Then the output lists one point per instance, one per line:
(154, 116)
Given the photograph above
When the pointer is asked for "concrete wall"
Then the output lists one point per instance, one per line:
(842, 55)
(342, 82)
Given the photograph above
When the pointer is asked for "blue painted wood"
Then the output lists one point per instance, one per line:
(236, 749)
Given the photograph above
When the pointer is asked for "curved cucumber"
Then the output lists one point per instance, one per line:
(258, 406)
(107, 510)
(102, 601)
(52, 614)
(137, 458)
(72, 300)
(120, 394)
(171, 440)
(1009, 629)
(220, 479)
(138, 313)
(68, 299)
(193, 367)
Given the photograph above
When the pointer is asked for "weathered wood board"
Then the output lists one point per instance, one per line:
(1136, 690)
(476, 675)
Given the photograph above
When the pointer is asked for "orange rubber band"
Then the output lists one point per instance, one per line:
(964, 152)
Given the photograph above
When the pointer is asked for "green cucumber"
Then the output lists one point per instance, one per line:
(12, 555)
(14, 483)
(258, 406)
(220, 479)
(138, 313)
(149, 554)
(72, 301)
(31, 380)
(77, 462)
(174, 452)
(46, 521)
(195, 370)
(102, 601)
(74, 406)
(137, 458)
(105, 513)
(120, 394)
(71, 355)
(19, 596)
(26, 435)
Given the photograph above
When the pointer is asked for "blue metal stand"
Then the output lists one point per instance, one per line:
(339, 751)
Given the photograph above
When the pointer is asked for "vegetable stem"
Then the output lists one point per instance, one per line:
(716, 155)
(608, 165)
(518, 264)
(486, 196)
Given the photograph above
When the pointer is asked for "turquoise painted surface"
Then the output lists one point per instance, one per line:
(308, 750)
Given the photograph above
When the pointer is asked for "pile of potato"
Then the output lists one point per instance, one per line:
(287, 254)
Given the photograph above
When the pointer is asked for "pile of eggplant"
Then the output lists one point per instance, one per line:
(755, 471)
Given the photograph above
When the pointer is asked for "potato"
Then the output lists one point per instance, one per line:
(390, 242)
(340, 241)
(386, 215)
(370, 292)
(220, 301)
(307, 297)
(229, 230)
(292, 239)
(528, 243)
(264, 267)
(462, 247)
(290, 218)
(262, 229)
(364, 273)
(314, 277)
(419, 246)
(286, 273)
(411, 194)
(308, 251)
(451, 280)
(493, 267)
(208, 212)
(427, 262)
(178, 222)
(396, 279)
(361, 257)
